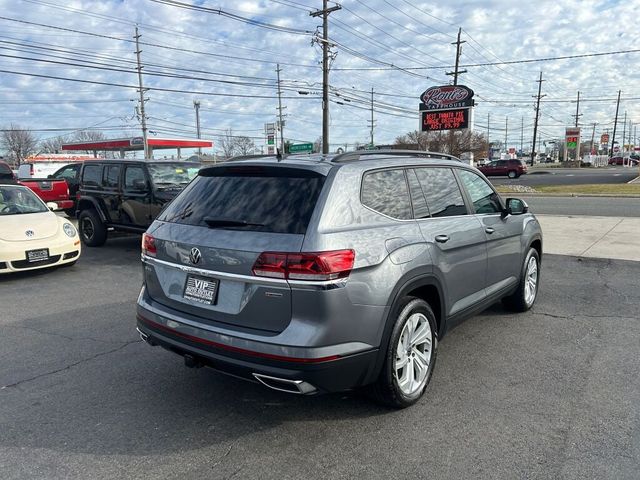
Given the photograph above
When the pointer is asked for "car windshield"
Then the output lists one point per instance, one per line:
(16, 200)
(173, 174)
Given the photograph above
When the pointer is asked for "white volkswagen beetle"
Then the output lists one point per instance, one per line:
(31, 235)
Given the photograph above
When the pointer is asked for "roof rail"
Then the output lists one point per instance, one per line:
(357, 155)
(249, 157)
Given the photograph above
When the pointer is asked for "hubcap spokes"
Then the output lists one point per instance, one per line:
(531, 281)
(413, 354)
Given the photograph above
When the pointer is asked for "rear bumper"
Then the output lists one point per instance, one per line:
(326, 373)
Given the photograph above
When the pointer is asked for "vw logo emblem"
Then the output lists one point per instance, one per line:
(29, 233)
(195, 255)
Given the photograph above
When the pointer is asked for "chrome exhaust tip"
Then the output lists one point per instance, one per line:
(145, 338)
(299, 387)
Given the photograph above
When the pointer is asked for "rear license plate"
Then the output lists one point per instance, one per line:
(37, 255)
(201, 289)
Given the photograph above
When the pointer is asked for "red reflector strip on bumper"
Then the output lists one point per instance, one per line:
(231, 348)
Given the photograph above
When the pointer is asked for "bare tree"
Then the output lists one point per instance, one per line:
(455, 143)
(52, 145)
(18, 142)
(244, 146)
(226, 144)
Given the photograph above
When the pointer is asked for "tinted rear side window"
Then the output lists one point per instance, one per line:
(442, 192)
(92, 175)
(386, 191)
(265, 199)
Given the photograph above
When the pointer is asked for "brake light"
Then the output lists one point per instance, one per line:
(313, 266)
(148, 245)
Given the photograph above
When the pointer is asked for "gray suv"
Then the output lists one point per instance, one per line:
(320, 274)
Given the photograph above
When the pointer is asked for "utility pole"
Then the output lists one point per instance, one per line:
(196, 105)
(371, 117)
(624, 132)
(489, 134)
(593, 135)
(280, 122)
(506, 131)
(522, 135)
(141, 90)
(325, 70)
(578, 114)
(535, 124)
(457, 72)
(615, 124)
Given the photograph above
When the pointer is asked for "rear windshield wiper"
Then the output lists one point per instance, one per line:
(227, 222)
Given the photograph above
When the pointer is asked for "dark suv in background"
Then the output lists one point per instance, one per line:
(319, 274)
(126, 195)
(511, 168)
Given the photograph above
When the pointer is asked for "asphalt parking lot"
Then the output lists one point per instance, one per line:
(552, 393)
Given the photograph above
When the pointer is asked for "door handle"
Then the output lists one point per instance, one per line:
(489, 230)
(442, 238)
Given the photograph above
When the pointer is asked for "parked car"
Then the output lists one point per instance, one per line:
(510, 168)
(126, 195)
(319, 274)
(618, 160)
(31, 235)
(49, 190)
(6, 174)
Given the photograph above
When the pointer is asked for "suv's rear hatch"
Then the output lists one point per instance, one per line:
(231, 214)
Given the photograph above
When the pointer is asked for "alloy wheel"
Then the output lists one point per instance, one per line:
(413, 354)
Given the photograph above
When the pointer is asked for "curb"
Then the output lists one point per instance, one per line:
(596, 195)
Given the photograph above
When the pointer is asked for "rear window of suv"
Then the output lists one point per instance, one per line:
(244, 197)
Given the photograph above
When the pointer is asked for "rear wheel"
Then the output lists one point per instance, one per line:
(525, 296)
(512, 174)
(93, 231)
(410, 356)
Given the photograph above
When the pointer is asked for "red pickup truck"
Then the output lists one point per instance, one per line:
(48, 189)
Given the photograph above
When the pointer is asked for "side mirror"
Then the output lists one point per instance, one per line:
(53, 206)
(515, 206)
(50, 175)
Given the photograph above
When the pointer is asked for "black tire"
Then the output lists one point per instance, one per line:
(512, 174)
(386, 389)
(70, 212)
(93, 232)
(518, 301)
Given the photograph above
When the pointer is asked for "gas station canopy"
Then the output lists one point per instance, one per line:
(123, 145)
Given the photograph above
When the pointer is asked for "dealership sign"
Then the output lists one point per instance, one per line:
(446, 96)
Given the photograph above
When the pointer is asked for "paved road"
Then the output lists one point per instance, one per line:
(570, 176)
(596, 206)
(552, 393)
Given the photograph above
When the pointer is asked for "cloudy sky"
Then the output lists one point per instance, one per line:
(69, 65)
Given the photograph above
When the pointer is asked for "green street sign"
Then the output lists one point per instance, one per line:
(301, 148)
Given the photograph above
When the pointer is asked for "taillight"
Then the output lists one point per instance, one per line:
(148, 245)
(305, 266)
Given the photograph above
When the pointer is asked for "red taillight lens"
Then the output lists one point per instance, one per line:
(305, 266)
(148, 245)
(271, 264)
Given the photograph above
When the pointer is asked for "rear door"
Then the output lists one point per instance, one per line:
(456, 237)
(214, 232)
(111, 190)
(136, 197)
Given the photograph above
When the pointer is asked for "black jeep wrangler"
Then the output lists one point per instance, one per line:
(126, 195)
